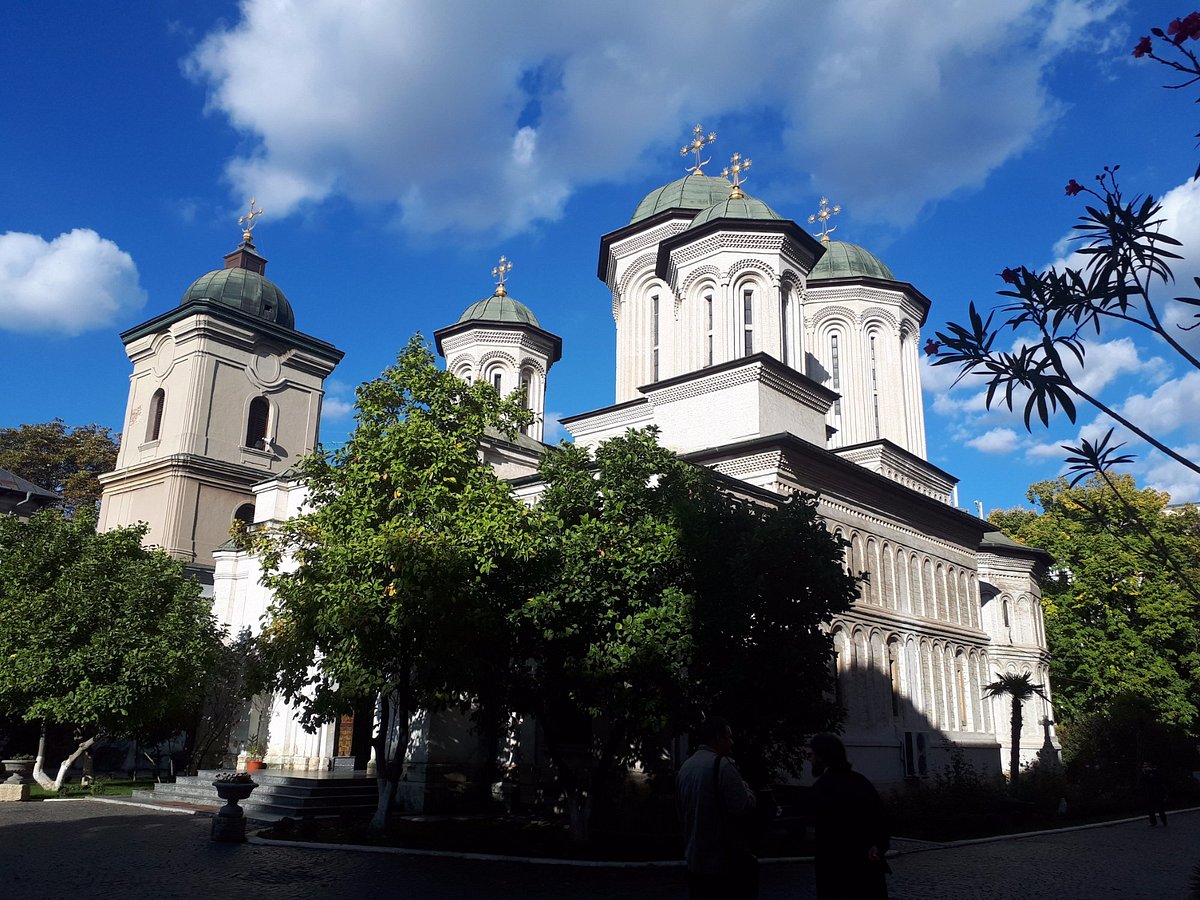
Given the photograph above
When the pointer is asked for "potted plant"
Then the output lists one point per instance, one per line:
(19, 769)
(255, 750)
(229, 824)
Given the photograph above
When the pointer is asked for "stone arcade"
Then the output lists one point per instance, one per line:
(780, 359)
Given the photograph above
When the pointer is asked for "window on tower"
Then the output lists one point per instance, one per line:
(835, 365)
(256, 423)
(784, 310)
(154, 425)
(708, 318)
(654, 337)
(496, 383)
(748, 320)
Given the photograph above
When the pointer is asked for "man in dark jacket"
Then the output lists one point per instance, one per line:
(851, 824)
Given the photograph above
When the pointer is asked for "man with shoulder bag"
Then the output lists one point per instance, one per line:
(715, 804)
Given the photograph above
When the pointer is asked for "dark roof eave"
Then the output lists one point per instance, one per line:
(458, 327)
(606, 241)
(930, 503)
(288, 336)
(809, 246)
(906, 287)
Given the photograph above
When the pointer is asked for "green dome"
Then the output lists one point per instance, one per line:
(689, 192)
(500, 308)
(243, 290)
(843, 260)
(741, 208)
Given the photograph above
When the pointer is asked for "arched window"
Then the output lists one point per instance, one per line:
(874, 383)
(893, 657)
(496, 382)
(244, 514)
(708, 319)
(256, 422)
(654, 332)
(748, 321)
(785, 305)
(526, 388)
(835, 371)
(154, 424)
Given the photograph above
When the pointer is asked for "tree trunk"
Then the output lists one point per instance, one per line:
(394, 713)
(1014, 760)
(39, 771)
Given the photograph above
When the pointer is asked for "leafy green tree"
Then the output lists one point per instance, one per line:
(61, 458)
(396, 585)
(668, 597)
(97, 633)
(1018, 688)
(1122, 629)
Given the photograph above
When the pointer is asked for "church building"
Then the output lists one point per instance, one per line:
(784, 360)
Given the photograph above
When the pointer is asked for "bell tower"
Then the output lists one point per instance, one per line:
(225, 393)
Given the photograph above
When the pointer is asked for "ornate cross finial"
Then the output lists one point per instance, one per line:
(501, 271)
(247, 221)
(736, 167)
(697, 145)
(824, 215)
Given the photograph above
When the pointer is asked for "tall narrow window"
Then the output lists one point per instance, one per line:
(785, 307)
(708, 318)
(256, 423)
(893, 651)
(496, 383)
(154, 425)
(835, 365)
(654, 337)
(526, 385)
(874, 384)
(748, 320)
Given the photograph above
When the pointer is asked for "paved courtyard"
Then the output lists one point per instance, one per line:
(98, 850)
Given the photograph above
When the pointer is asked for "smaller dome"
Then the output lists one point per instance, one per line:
(689, 192)
(729, 208)
(843, 260)
(500, 308)
(243, 290)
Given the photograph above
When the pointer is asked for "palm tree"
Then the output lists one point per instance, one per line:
(1020, 688)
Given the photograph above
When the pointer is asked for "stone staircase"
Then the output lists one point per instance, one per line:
(279, 793)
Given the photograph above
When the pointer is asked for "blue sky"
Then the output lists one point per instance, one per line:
(400, 148)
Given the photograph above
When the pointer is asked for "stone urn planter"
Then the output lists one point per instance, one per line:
(20, 771)
(229, 824)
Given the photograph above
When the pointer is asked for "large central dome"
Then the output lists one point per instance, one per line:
(689, 192)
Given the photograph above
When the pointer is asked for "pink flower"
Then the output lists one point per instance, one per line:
(1143, 47)
(1074, 187)
(932, 347)
(1010, 275)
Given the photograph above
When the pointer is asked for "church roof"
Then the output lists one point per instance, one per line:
(500, 308)
(689, 192)
(241, 285)
(845, 260)
(743, 207)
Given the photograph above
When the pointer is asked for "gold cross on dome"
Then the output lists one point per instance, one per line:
(823, 216)
(247, 221)
(736, 167)
(697, 145)
(501, 271)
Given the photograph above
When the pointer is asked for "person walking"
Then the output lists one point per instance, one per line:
(1154, 794)
(851, 824)
(715, 805)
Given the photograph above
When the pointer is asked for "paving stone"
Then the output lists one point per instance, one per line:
(54, 850)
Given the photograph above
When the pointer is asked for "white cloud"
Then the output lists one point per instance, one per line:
(75, 283)
(487, 116)
(1171, 407)
(338, 402)
(998, 440)
(1165, 474)
(553, 430)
